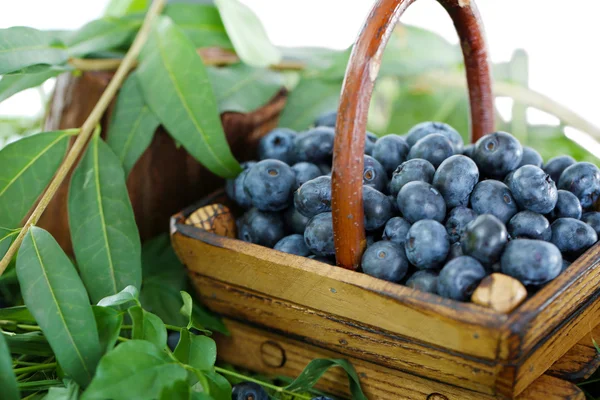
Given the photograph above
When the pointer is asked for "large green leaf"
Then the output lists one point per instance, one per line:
(175, 85)
(108, 321)
(27, 167)
(132, 125)
(56, 297)
(18, 314)
(180, 390)
(31, 343)
(197, 351)
(22, 47)
(105, 238)
(8, 381)
(101, 34)
(201, 23)
(6, 238)
(14, 83)
(135, 370)
(69, 392)
(130, 293)
(147, 326)
(243, 88)
(220, 388)
(118, 8)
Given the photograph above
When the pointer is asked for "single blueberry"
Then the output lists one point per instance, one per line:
(419, 200)
(509, 178)
(572, 236)
(425, 281)
(173, 339)
(529, 225)
(423, 129)
(427, 244)
(533, 189)
(592, 218)
(318, 235)
(293, 244)
(321, 398)
(374, 174)
(370, 140)
(410, 171)
(235, 187)
(555, 166)
(455, 251)
(533, 262)
(583, 180)
(278, 145)
(493, 197)
(531, 157)
(390, 151)
(270, 185)
(395, 230)
(314, 197)
(496, 154)
(305, 172)
(459, 278)
(294, 221)
(385, 260)
(455, 178)
(261, 227)
(378, 208)
(484, 239)
(315, 145)
(468, 151)
(434, 148)
(457, 221)
(326, 119)
(248, 391)
(567, 206)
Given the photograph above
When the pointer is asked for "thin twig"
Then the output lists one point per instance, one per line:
(87, 128)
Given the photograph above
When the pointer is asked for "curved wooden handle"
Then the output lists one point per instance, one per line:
(363, 67)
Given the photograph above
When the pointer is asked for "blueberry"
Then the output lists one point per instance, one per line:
(278, 145)
(425, 281)
(327, 119)
(419, 200)
(555, 166)
(395, 230)
(235, 187)
(173, 339)
(434, 148)
(318, 235)
(305, 172)
(484, 239)
(370, 143)
(390, 151)
(533, 189)
(315, 145)
(385, 260)
(314, 197)
(529, 225)
(533, 262)
(270, 185)
(572, 236)
(321, 398)
(457, 221)
(427, 244)
(497, 154)
(248, 391)
(455, 251)
(410, 171)
(565, 265)
(567, 206)
(531, 157)
(423, 129)
(325, 169)
(378, 208)
(374, 174)
(293, 244)
(508, 178)
(592, 218)
(583, 180)
(468, 151)
(459, 278)
(261, 227)
(294, 221)
(493, 197)
(455, 178)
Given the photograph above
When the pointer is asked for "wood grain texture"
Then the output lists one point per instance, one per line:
(580, 361)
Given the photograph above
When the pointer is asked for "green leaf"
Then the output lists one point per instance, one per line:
(201, 23)
(180, 390)
(247, 34)
(315, 370)
(31, 343)
(134, 370)
(22, 47)
(14, 83)
(132, 125)
(56, 297)
(118, 8)
(130, 293)
(6, 238)
(8, 381)
(242, 88)
(147, 326)
(176, 87)
(17, 314)
(197, 351)
(220, 388)
(101, 34)
(187, 310)
(27, 167)
(70, 392)
(108, 321)
(105, 237)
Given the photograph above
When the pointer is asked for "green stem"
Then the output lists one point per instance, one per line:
(29, 327)
(122, 339)
(39, 385)
(169, 327)
(17, 362)
(33, 368)
(31, 396)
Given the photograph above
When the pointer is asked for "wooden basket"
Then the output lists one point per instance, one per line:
(284, 310)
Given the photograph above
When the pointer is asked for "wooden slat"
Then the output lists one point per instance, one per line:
(580, 362)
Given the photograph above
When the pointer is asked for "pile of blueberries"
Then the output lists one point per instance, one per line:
(440, 216)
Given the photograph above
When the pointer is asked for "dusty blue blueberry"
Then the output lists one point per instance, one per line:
(423, 129)
(390, 151)
(378, 208)
(294, 221)
(508, 178)
(235, 187)
(173, 339)
(318, 235)
(484, 239)
(314, 197)
(468, 151)
(533, 189)
(592, 218)
(410, 171)
(305, 171)
(583, 180)
(425, 281)
(455, 251)
(459, 278)
(396, 229)
(385, 260)
(533, 262)
(370, 141)
(270, 185)
(493, 197)
(323, 259)
(427, 244)
(321, 398)
(434, 148)
(457, 221)
(420, 200)
(278, 145)
(326, 119)
(529, 225)
(497, 154)
(374, 174)
(455, 178)
(261, 227)
(248, 391)
(572, 236)
(567, 206)
(555, 166)
(293, 244)
(315, 145)
(531, 157)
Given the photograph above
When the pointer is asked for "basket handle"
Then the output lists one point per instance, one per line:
(362, 70)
